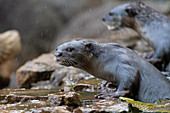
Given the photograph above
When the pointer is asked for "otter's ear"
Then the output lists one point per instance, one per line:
(131, 12)
(88, 46)
(141, 3)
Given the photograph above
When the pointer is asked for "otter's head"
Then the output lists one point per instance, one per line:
(125, 15)
(75, 53)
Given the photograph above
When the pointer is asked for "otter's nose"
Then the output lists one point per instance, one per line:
(103, 19)
(58, 53)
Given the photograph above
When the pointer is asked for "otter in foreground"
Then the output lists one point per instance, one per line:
(133, 76)
(148, 23)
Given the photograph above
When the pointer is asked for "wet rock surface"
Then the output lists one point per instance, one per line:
(70, 98)
(163, 106)
(81, 87)
(9, 99)
(104, 106)
(61, 109)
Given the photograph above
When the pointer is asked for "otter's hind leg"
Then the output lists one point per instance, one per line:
(163, 52)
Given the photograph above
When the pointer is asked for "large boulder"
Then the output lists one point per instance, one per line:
(10, 45)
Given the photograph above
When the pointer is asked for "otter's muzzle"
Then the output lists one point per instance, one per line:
(58, 53)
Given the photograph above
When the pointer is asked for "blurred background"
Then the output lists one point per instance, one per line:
(43, 24)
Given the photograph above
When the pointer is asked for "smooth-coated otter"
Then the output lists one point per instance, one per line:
(148, 23)
(133, 76)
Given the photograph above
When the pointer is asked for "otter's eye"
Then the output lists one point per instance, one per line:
(111, 14)
(131, 12)
(69, 49)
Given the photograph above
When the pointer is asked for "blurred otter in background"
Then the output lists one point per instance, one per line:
(151, 25)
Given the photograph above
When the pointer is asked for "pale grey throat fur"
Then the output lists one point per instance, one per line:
(151, 25)
(117, 64)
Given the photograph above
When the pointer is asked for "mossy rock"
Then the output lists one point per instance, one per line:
(161, 106)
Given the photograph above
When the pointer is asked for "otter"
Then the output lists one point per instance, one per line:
(133, 76)
(151, 26)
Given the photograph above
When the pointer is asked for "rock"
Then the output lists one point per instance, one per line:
(67, 76)
(69, 98)
(113, 105)
(10, 46)
(56, 99)
(159, 106)
(61, 109)
(81, 87)
(57, 78)
(38, 69)
(5, 99)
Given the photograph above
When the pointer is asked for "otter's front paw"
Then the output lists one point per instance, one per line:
(147, 55)
(154, 61)
(116, 94)
(106, 84)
